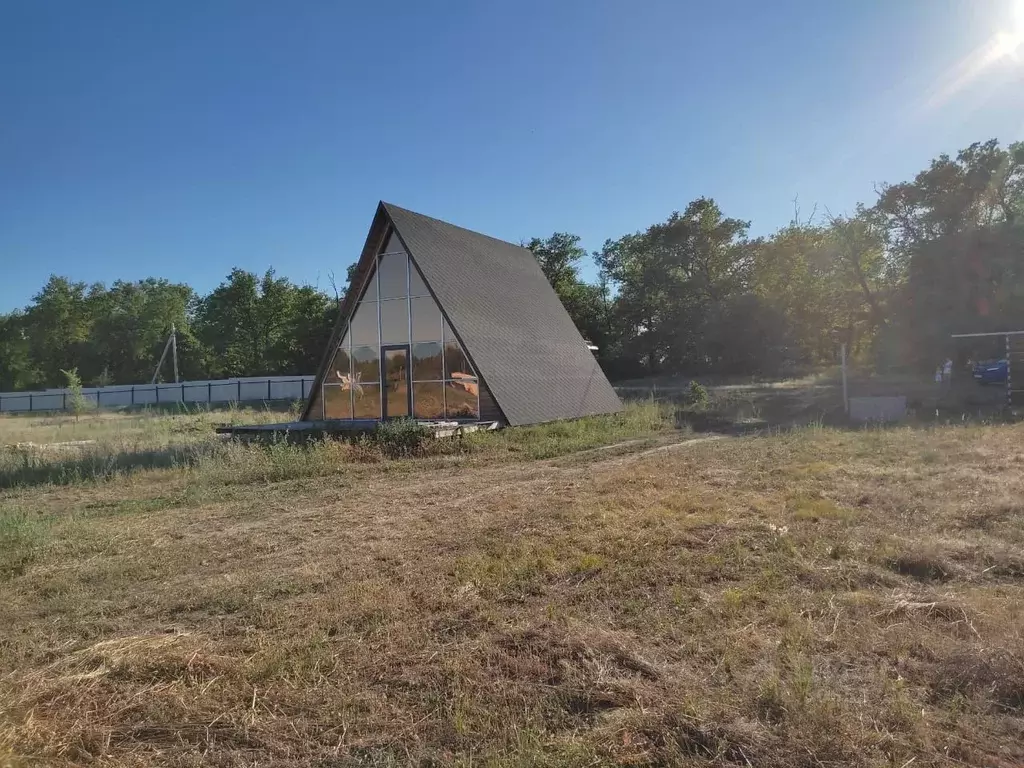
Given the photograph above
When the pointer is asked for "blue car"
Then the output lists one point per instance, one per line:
(991, 372)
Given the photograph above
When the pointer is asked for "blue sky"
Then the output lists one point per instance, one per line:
(181, 139)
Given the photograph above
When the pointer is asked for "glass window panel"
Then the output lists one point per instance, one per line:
(417, 287)
(396, 382)
(456, 366)
(426, 320)
(340, 370)
(393, 275)
(365, 365)
(426, 362)
(393, 245)
(370, 294)
(461, 398)
(428, 400)
(337, 402)
(364, 324)
(448, 335)
(394, 322)
(366, 401)
(346, 343)
(396, 366)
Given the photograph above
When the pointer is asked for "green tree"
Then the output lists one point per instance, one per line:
(58, 324)
(560, 257)
(17, 370)
(75, 400)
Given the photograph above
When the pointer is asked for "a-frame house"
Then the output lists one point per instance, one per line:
(442, 323)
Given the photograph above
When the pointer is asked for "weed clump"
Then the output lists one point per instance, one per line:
(399, 438)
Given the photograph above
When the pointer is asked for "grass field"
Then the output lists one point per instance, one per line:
(604, 592)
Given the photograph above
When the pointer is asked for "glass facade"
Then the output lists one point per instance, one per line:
(397, 322)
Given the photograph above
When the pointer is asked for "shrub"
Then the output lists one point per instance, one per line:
(77, 402)
(697, 395)
(399, 438)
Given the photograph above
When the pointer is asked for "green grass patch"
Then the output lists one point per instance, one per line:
(818, 508)
(22, 538)
(546, 441)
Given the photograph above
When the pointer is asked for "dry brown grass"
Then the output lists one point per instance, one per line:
(810, 598)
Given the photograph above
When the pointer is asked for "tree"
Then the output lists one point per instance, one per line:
(17, 370)
(75, 400)
(559, 257)
(668, 277)
(57, 325)
(953, 236)
(263, 326)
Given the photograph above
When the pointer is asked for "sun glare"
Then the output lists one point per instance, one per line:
(1008, 44)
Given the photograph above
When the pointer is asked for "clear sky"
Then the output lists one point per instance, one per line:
(180, 139)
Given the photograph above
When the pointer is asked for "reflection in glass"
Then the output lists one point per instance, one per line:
(393, 276)
(394, 322)
(393, 245)
(456, 366)
(426, 362)
(340, 370)
(461, 399)
(426, 320)
(365, 365)
(364, 324)
(337, 402)
(416, 285)
(396, 365)
(366, 401)
(428, 400)
(396, 372)
(370, 294)
(448, 335)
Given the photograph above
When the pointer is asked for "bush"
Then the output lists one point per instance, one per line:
(77, 402)
(400, 438)
(698, 395)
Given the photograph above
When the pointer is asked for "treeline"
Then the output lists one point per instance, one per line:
(248, 326)
(941, 254)
(694, 294)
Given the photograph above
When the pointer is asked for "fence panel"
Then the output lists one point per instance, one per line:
(121, 396)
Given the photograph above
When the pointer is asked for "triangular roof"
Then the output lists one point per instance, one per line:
(502, 308)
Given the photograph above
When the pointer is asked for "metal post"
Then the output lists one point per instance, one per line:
(842, 358)
(268, 389)
(30, 401)
(163, 356)
(209, 391)
(1009, 376)
(64, 401)
(174, 353)
(238, 398)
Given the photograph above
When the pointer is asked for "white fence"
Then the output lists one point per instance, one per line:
(219, 391)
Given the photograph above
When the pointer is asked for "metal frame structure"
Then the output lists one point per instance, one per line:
(1009, 357)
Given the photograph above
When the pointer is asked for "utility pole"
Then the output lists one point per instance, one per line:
(174, 351)
(842, 358)
(172, 343)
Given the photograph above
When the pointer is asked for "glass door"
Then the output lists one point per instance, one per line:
(396, 375)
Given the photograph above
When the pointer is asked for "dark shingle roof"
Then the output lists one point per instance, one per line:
(510, 321)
